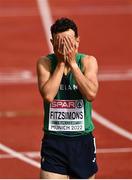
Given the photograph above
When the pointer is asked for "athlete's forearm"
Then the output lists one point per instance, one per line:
(87, 86)
(50, 89)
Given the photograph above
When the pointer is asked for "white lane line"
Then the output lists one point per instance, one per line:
(36, 154)
(93, 10)
(114, 150)
(20, 78)
(31, 154)
(124, 76)
(17, 12)
(8, 114)
(19, 156)
(13, 114)
(113, 127)
(27, 76)
(46, 16)
(68, 10)
(46, 19)
(17, 76)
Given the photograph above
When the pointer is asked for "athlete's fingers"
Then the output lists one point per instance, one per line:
(64, 44)
(70, 42)
(66, 49)
(61, 46)
(59, 43)
(68, 45)
(56, 42)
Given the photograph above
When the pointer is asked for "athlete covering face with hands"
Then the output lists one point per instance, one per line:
(65, 47)
(68, 83)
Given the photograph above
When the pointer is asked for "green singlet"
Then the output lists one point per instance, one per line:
(70, 113)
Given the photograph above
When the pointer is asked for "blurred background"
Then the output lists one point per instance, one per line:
(105, 30)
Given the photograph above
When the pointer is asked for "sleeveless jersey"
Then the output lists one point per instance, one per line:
(70, 113)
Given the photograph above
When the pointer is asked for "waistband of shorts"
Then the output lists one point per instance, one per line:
(71, 138)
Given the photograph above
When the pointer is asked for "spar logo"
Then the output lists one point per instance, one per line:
(67, 104)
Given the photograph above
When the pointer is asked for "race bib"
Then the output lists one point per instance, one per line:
(66, 115)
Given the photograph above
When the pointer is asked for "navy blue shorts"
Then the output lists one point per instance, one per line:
(72, 156)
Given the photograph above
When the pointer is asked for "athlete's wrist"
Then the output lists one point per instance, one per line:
(73, 65)
(61, 64)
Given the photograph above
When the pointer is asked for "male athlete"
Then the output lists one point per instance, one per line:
(68, 84)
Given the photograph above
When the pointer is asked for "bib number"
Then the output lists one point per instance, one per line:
(66, 115)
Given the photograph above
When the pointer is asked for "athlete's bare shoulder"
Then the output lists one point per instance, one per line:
(89, 59)
(43, 71)
(43, 63)
(90, 62)
(43, 60)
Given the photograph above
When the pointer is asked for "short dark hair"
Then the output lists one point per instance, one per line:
(63, 24)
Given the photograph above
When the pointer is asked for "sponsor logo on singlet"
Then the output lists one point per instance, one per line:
(66, 115)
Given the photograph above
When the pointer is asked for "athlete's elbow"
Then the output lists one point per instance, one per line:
(91, 96)
(48, 98)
